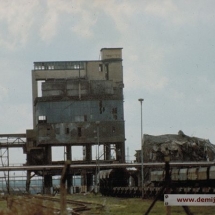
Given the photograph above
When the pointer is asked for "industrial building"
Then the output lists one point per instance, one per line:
(81, 105)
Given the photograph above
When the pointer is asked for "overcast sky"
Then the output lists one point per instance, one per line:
(168, 59)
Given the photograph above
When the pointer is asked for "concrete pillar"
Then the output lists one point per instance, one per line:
(48, 184)
(28, 181)
(88, 152)
(48, 153)
(69, 152)
(69, 177)
(48, 178)
(83, 181)
(107, 151)
(89, 181)
(34, 95)
(120, 152)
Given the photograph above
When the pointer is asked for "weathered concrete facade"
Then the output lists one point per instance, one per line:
(80, 100)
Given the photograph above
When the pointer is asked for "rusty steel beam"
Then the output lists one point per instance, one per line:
(12, 145)
(105, 166)
(21, 135)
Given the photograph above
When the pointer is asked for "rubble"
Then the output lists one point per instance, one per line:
(179, 147)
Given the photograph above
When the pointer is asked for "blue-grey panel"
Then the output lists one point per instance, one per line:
(66, 111)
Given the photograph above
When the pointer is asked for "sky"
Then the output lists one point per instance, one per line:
(168, 59)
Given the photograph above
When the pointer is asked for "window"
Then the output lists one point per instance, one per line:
(82, 118)
(42, 119)
(48, 131)
(79, 132)
(67, 131)
(100, 68)
(106, 72)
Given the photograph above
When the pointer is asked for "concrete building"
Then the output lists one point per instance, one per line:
(81, 105)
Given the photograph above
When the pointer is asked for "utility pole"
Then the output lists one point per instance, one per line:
(141, 140)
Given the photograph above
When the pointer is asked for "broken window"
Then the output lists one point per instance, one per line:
(106, 72)
(79, 132)
(67, 131)
(42, 119)
(48, 131)
(101, 108)
(100, 68)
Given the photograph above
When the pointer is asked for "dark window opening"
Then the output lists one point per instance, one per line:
(106, 72)
(67, 131)
(101, 108)
(48, 131)
(79, 132)
(100, 68)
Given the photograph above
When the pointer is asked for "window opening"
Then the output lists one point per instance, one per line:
(100, 68)
(48, 131)
(67, 131)
(79, 132)
(106, 72)
(101, 108)
(39, 88)
(42, 119)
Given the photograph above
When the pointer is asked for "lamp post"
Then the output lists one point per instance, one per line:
(97, 159)
(142, 175)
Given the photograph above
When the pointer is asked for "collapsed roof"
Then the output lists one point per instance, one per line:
(179, 147)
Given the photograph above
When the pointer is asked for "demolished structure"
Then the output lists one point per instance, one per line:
(179, 147)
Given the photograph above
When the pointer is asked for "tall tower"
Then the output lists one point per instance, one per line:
(80, 100)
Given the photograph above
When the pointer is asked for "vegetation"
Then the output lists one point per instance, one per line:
(134, 206)
(111, 206)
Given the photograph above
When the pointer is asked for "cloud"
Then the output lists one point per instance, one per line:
(17, 118)
(81, 18)
(16, 20)
(3, 92)
(49, 28)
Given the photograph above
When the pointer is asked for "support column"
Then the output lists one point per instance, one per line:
(28, 181)
(69, 152)
(69, 176)
(48, 178)
(88, 152)
(83, 181)
(47, 184)
(120, 152)
(107, 151)
(89, 181)
(48, 153)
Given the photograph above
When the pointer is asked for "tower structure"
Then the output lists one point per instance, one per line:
(80, 100)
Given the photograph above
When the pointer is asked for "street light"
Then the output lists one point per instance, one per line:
(97, 159)
(142, 175)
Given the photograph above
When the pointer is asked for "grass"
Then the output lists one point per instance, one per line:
(111, 206)
(135, 206)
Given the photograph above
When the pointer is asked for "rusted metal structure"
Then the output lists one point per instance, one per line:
(8, 141)
(80, 100)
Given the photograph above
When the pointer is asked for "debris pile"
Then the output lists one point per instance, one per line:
(178, 147)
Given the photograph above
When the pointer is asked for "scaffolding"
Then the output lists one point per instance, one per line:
(8, 141)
